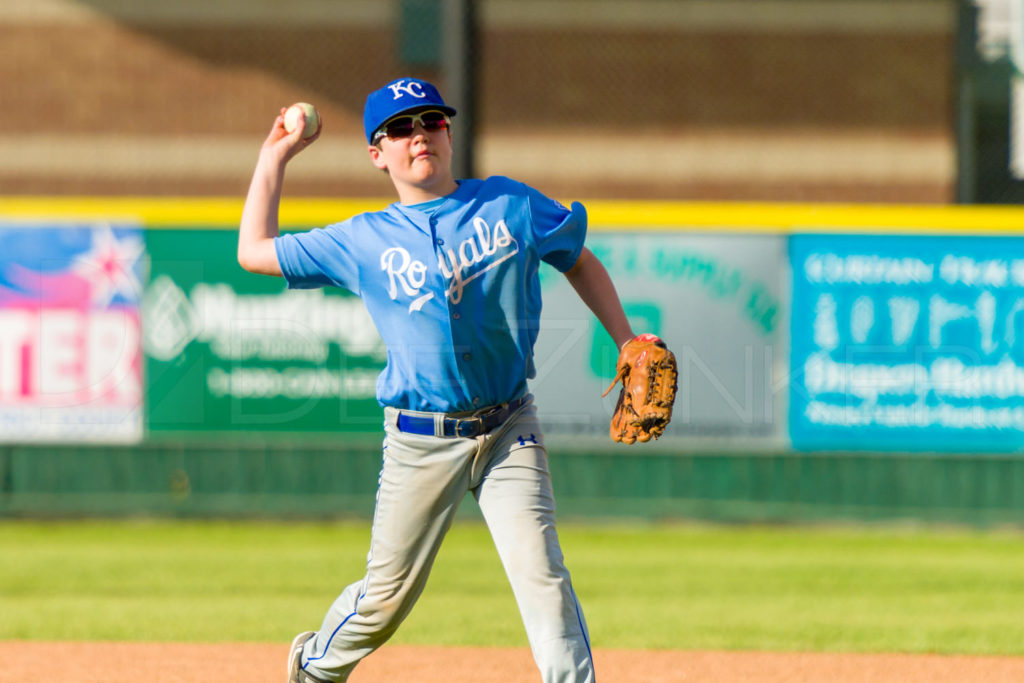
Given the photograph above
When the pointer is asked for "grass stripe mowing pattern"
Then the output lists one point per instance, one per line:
(642, 586)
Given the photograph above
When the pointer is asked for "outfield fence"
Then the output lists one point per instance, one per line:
(286, 480)
(835, 362)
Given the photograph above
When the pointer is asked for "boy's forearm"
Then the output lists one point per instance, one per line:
(259, 224)
(591, 281)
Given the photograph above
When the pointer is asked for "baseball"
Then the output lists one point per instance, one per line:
(291, 119)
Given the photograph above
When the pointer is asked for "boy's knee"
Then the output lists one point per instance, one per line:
(382, 615)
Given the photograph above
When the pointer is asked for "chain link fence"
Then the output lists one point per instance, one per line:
(805, 100)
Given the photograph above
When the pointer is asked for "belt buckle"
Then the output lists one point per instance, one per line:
(468, 427)
(485, 421)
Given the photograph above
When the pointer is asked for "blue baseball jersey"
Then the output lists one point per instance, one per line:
(452, 286)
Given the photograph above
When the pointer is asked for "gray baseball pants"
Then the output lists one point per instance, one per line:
(422, 482)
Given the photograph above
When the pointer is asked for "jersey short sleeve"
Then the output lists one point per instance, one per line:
(318, 258)
(559, 232)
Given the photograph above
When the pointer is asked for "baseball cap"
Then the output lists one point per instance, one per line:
(398, 96)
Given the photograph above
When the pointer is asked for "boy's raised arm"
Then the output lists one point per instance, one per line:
(259, 223)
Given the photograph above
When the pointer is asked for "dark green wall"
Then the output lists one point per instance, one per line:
(188, 478)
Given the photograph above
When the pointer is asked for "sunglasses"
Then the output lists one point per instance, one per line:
(403, 126)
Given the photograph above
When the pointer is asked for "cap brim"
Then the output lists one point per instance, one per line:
(423, 107)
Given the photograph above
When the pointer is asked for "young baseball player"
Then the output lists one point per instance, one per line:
(449, 274)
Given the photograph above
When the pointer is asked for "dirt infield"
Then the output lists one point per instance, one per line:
(264, 663)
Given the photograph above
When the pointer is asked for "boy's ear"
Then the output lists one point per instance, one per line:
(377, 157)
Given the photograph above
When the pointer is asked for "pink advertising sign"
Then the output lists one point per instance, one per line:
(70, 338)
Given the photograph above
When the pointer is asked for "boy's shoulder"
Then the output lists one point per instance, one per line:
(497, 186)
(500, 182)
(361, 227)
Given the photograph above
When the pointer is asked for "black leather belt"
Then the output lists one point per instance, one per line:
(472, 425)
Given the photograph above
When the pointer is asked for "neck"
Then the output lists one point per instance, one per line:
(414, 194)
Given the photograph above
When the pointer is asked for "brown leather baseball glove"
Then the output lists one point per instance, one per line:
(648, 372)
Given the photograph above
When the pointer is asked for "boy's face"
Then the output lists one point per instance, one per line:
(421, 159)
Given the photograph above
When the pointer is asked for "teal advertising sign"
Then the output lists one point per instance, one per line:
(907, 343)
(227, 350)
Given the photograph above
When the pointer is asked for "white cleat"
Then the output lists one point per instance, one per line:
(295, 672)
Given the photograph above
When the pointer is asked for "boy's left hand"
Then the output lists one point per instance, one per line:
(649, 379)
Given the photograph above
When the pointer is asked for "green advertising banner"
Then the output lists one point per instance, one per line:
(232, 352)
(227, 350)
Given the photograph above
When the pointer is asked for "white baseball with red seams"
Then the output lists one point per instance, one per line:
(293, 115)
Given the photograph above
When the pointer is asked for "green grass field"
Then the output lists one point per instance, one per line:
(643, 586)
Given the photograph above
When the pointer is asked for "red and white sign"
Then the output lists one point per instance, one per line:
(70, 338)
